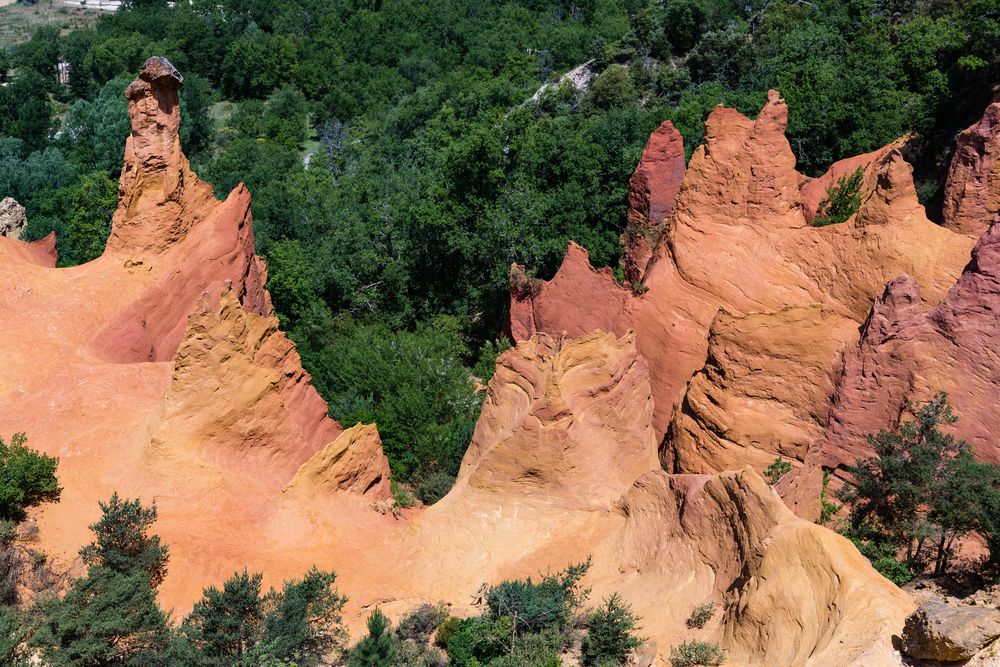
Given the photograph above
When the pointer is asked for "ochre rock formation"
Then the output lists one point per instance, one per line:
(972, 191)
(159, 371)
(265, 412)
(792, 593)
(168, 221)
(354, 462)
(567, 420)
(764, 391)
(739, 240)
(907, 353)
(652, 190)
(159, 198)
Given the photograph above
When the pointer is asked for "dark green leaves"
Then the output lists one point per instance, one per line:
(27, 478)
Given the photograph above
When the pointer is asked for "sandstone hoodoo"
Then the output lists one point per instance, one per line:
(972, 192)
(626, 428)
(738, 239)
(652, 190)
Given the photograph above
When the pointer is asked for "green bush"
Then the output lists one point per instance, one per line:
(612, 87)
(27, 478)
(843, 199)
(776, 470)
(123, 542)
(446, 630)
(696, 654)
(378, 648)
(882, 556)
(534, 607)
(14, 651)
(701, 615)
(611, 634)
(421, 623)
(225, 624)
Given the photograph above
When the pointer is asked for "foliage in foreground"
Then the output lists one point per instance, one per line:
(525, 622)
(843, 199)
(611, 633)
(111, 616)
(920, 491)
(696, 654)
(27, 478)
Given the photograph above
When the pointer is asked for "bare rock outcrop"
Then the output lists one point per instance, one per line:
(938, 631)
(728, 538)
(13, 219)
(159, 371)
(161, 204)
(790, 592)
(566, 419)
(908, 353)
(652, 191)
(353, 462)
(240, 397)
(764, 391)
(159, 197)
(739, 239)
(972, 191)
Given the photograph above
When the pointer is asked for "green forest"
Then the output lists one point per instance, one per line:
(400, 159)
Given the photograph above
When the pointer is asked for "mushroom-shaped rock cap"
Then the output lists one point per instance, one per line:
(159, 73)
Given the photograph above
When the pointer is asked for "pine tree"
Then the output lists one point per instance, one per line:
(305, 617)
(378, 649)
(611, 633)
(110, 617)
(106, 618)
(226, 623)
(124, 544)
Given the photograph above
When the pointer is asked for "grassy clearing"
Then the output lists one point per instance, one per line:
(19, 21)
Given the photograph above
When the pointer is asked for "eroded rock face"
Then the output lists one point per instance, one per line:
(652, 190)
(909, 353)
(159, 198)
(142, 384)
(764, 391)
(792, 593)
(567, 419)
(12, 218)
(938, 631)
(264, 412)
(972, 191)
(354, 463)
(789, 592)
(162, 204)
(158, 371)
(738, 239)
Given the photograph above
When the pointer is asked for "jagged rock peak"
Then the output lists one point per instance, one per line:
(567, 420)
(652, 192)
(972, 191)
(159, 198)
(354, 463)
(239, 395)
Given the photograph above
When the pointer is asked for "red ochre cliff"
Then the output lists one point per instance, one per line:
(159, 371)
